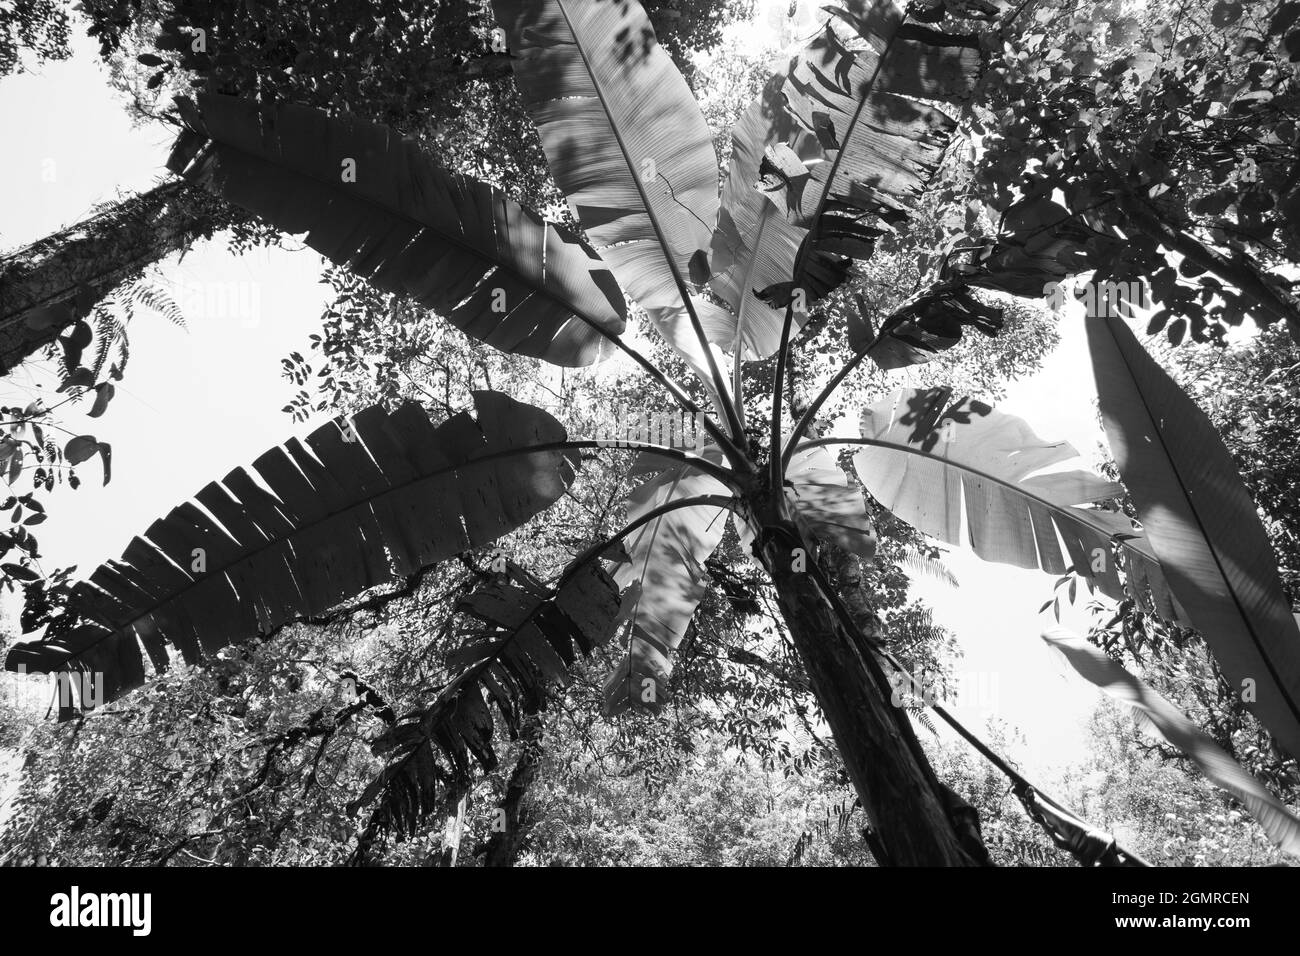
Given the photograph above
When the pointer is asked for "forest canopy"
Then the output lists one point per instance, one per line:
(663, 372)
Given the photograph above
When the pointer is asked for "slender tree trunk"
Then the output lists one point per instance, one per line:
(49, 285)
(905, 803)
(452, 836)
(508, 829)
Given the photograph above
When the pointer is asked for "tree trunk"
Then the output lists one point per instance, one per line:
(904, 801)
(452, 835)
(49, 285)
(508, 828)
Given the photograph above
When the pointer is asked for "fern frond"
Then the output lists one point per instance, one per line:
(107, 329)
(124, 350)
(922, 565)
(159, 300)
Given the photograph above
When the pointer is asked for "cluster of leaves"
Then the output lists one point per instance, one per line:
(37, 27)
(1155, 808)
(246, 760)
(373, 346)
(30, 445)
(714, 808)
(356, 346)
(1176, 127)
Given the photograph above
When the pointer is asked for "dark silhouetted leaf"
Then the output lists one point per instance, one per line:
(531, 637)
(348, 509)
(492, 268)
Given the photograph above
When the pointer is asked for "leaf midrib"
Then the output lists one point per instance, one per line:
(1211, 547)
(1056, 508)
(466, 184)
(627, 158)
(249, 555)
(806, 251)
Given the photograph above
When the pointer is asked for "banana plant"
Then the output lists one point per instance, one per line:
(830, 158)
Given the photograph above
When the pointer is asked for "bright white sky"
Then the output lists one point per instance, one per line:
(195, 404)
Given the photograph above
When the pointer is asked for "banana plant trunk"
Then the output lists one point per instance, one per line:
(507, 839)
(48, 286)
(905, 803)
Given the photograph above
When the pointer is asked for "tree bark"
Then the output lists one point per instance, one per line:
(905, 803)
(49, 285)
(504, 843)
(452, 836)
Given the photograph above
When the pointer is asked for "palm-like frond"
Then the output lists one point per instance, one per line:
(108, 331)
(922, 565)
(530, 638)
(314, 524)
(376, 203)
(144, 291)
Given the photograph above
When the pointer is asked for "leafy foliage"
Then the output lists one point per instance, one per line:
(38, 27)
(381, 206)
(844, 144)
(351, 508)
(931, 460)
(1173, 126)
